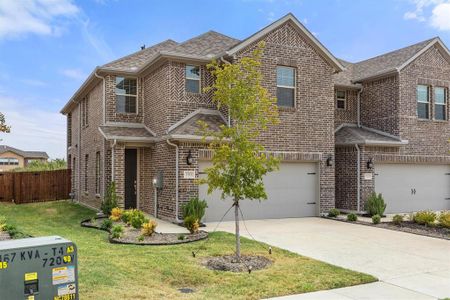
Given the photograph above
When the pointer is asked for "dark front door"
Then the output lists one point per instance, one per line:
(130, 178)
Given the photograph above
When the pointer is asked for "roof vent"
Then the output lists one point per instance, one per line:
(143, 47)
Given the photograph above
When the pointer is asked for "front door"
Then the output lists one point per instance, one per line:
(130, 178)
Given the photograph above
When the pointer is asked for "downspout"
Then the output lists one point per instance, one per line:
(358, 180)
(104, 121)
(113, 150)
(176, 179)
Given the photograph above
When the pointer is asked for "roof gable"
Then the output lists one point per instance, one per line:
(333, 61)
(24, 154)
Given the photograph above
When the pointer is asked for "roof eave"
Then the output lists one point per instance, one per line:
(327, 54)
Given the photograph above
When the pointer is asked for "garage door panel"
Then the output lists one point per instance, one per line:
(408, 188)
(289, 190)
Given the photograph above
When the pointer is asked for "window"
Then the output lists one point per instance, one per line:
(341, 99)
(286, 86)
(192, 79)
(84, 112)
(74, 174)
(126, 95)
(440, 103)
(423, 102)
(86, 161)
(9, 161)
(97, 172)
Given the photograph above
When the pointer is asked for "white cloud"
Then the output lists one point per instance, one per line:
(42, 17)
(76, 74)
(435, 12)
(440, 18)
(33, 82)
(33, 129)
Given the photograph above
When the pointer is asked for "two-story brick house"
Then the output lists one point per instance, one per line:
(134, 121)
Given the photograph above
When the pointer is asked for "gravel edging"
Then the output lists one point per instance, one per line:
(158, 238)
(390, 226)
(228, 263)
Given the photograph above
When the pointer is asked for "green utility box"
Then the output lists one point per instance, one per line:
(43, 268)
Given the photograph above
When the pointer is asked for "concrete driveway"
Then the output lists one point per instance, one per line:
(409, 266)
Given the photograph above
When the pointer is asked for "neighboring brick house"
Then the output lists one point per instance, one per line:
(12, 158)
(134, 121)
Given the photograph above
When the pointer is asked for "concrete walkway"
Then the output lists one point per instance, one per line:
(408, 266)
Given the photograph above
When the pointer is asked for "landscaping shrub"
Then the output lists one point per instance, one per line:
(376, 219)
(148, 228)
(116, 214)
(110, 200)
(334, 212)
(397, 219)
(137, 218)
(425, 218)
(140, 238)
(444, 219)
(13, 232)
(375, 205)
(106, 224)
(126, 216)
(191, 224)
(352, 217)
(2, 222)
(117, 231)
(195, 208)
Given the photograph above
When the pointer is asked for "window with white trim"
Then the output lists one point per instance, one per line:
(9, 161)
(285, 86)
(192, 79)
(341, 99)
(423, 101)
(440, 103)
(126, 95)
(97, 172)
(86, 168)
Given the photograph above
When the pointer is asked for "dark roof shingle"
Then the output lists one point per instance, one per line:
(25, 154)
(191, 126)
(135, 133)
(351, 135)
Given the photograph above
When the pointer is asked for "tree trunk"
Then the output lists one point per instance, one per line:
(238, 237)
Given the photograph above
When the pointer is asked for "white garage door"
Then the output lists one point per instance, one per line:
(291, 191)
(407, 187)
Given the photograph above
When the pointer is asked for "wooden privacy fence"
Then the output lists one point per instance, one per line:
(29, 187)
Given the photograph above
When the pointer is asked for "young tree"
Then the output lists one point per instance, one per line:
(240, 161)
(3, 127)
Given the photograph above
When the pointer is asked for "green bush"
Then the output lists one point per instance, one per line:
(375, 205)
(117, 231)
(13, 232)
(2, 222)
(191, 224)
(110, 200)
(397, 219)
(334, 212)
(352, 217)
(126, 216)
(137, 218)
(444, 219)
(376, 219)
(425, 218)
(195, 208)
(106, 224)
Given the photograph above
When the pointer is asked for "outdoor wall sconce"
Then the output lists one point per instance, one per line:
(189, 159)
(370, 164)
(329, 161)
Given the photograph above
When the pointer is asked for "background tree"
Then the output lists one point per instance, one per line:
(39, 165)
(3, 126)
(239, 162)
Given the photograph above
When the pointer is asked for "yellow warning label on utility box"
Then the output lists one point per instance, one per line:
(31, 276)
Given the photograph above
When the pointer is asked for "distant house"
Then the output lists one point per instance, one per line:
(11, 158)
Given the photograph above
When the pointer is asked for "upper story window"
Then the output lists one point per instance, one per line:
(69, 129)
(85, 112)
(126, 95)
(341, 99)
(423, 102)
(440, 103)
(192, 79)
(285, 86)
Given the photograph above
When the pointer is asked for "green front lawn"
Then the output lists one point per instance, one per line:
(110, 271)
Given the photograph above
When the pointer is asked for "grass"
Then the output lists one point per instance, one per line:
(110, 271)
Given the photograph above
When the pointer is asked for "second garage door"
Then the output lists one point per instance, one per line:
(291, 191)
(408, 187)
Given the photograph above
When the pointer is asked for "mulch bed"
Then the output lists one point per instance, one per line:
(247, 263)
(4, 236)
(131, 235)
(407, 226)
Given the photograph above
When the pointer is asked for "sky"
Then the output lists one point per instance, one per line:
(48, 47)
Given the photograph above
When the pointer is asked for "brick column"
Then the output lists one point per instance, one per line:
(119, 172)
